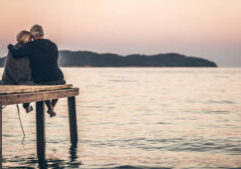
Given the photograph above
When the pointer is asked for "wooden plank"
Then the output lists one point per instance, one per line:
(73, 120)
(9, 89)
(9, 99)
(40, 130)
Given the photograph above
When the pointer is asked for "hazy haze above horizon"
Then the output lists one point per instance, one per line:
(209, 29)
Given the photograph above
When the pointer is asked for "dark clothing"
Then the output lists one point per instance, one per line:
(60, 82)
(17, 70)
(43, 55)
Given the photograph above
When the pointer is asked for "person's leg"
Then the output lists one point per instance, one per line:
(50, 110)
(54, 102)
(27, 107)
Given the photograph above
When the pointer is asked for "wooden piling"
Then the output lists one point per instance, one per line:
(0, 136)
(40, 130)
(73, 120)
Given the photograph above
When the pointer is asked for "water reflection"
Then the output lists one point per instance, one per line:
(49, 163)
(58, 163)
(73, 156)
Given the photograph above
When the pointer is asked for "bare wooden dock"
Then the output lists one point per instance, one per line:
(17, 94)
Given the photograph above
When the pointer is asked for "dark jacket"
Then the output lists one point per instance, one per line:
(17, 70)
(43, 56)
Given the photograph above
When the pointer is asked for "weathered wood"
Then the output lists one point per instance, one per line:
(9, 99)
(8, 89)
(72, 120)
(0, 136)
(20, 95)
(40, 130)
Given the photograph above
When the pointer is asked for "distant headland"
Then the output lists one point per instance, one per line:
(91, 59)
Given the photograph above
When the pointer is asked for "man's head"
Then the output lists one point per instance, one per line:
(37, 32)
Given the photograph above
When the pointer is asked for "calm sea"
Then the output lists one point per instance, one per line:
(138, 118)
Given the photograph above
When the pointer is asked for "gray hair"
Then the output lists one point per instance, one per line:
(37, 31)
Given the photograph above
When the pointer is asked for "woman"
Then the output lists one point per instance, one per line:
(17, 71)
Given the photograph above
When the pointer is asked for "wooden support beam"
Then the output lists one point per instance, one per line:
(1, 136)
(73, 120)
(40, 130)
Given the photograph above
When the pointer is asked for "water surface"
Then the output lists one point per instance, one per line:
(138, 118)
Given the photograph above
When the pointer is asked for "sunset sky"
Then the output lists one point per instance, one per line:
(203, 28)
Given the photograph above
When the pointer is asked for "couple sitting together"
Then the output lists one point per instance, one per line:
(33, 61)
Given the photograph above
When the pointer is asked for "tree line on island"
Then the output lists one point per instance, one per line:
(91, 59)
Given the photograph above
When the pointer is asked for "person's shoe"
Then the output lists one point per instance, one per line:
(28, 109)
(51, 113)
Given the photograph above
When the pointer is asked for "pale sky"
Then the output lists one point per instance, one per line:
(203, 28)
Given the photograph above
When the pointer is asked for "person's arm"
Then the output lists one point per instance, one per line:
(21, 52)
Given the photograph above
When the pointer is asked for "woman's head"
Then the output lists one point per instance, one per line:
(24, 36)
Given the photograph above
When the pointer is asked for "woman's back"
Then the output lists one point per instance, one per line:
(17, 70)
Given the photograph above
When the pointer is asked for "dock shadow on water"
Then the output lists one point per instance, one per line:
(137, 118)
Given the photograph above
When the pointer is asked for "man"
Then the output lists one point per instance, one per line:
(43, 55)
